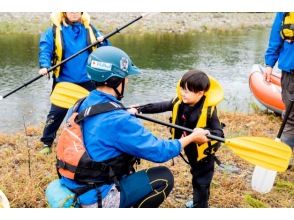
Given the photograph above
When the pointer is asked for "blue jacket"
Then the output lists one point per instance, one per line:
(74, 39)
(110, 134)
(278, 49)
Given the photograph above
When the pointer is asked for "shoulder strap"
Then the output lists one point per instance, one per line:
(78, 104)
(175, 100)
(209, 114)
(98, 109)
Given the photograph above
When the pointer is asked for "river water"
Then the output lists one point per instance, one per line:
(164, 58)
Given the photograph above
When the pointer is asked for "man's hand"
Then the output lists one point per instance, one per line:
(100, 38)
(199, 135)
(44, 72)
(267, 73)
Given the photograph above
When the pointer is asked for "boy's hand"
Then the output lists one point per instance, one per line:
(133, 109)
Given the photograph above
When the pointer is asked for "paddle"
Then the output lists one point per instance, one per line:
(260, 151)
(66, 94)
(4, 203)
(263, 179)
(117, 30)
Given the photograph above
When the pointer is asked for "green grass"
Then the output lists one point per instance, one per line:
(255, 203)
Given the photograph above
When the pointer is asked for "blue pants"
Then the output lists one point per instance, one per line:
(56, 116)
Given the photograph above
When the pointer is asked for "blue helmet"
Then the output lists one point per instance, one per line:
(107, 62)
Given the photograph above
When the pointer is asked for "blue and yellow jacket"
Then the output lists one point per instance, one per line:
(280, 49)
(63, 40)
(110, 134)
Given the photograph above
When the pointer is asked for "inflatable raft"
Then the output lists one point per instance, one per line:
(267, 93)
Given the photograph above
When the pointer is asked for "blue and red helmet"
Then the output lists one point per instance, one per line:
(107, 62)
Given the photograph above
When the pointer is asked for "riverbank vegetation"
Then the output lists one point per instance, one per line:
(176, 22)
(25, 174)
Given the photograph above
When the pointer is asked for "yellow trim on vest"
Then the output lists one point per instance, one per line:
(213, 96)
(288, 20)
(58, 19)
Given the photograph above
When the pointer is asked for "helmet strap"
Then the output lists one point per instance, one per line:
(120, 95)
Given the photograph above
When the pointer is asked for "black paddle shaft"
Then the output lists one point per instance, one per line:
(117, 30)
(288, 110)
(213, 137)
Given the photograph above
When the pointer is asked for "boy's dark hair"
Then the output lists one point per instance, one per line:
(195, 81)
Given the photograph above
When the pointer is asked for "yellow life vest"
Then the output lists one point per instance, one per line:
(213, 96)
(287, 31)
(58, 19)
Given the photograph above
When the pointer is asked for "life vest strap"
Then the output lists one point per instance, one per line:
(288, 26)
(97, 109)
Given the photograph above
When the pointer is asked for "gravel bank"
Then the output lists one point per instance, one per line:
(162, 22)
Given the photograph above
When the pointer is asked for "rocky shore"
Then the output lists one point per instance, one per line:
(36, 22)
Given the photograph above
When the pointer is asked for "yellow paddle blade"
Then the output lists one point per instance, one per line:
(261, 151)
(66, 94)
(4, 203)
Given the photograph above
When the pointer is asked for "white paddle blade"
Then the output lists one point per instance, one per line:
(1, 97)
(263, 179)
(149, 14)
(4, 203)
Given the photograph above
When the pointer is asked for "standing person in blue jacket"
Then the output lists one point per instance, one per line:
(113, 138)
(281, 49)
(70, 33)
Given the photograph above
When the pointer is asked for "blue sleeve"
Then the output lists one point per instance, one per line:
(98, 34)
(46, 47)
(275, 41)
(134, 139)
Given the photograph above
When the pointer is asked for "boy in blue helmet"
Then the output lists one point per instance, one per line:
(114, 139)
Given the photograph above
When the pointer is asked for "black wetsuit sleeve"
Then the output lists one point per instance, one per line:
(156, 107)
(214, 125)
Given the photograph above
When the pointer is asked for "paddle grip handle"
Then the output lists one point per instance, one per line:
(288, 110)
(210, 136)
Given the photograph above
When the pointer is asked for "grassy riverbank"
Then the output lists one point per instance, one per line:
(25, 174)
(37, 22)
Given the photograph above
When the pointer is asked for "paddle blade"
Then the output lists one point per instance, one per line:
(261, 151)
(263, 179)
(66, 94)
(4, 203)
